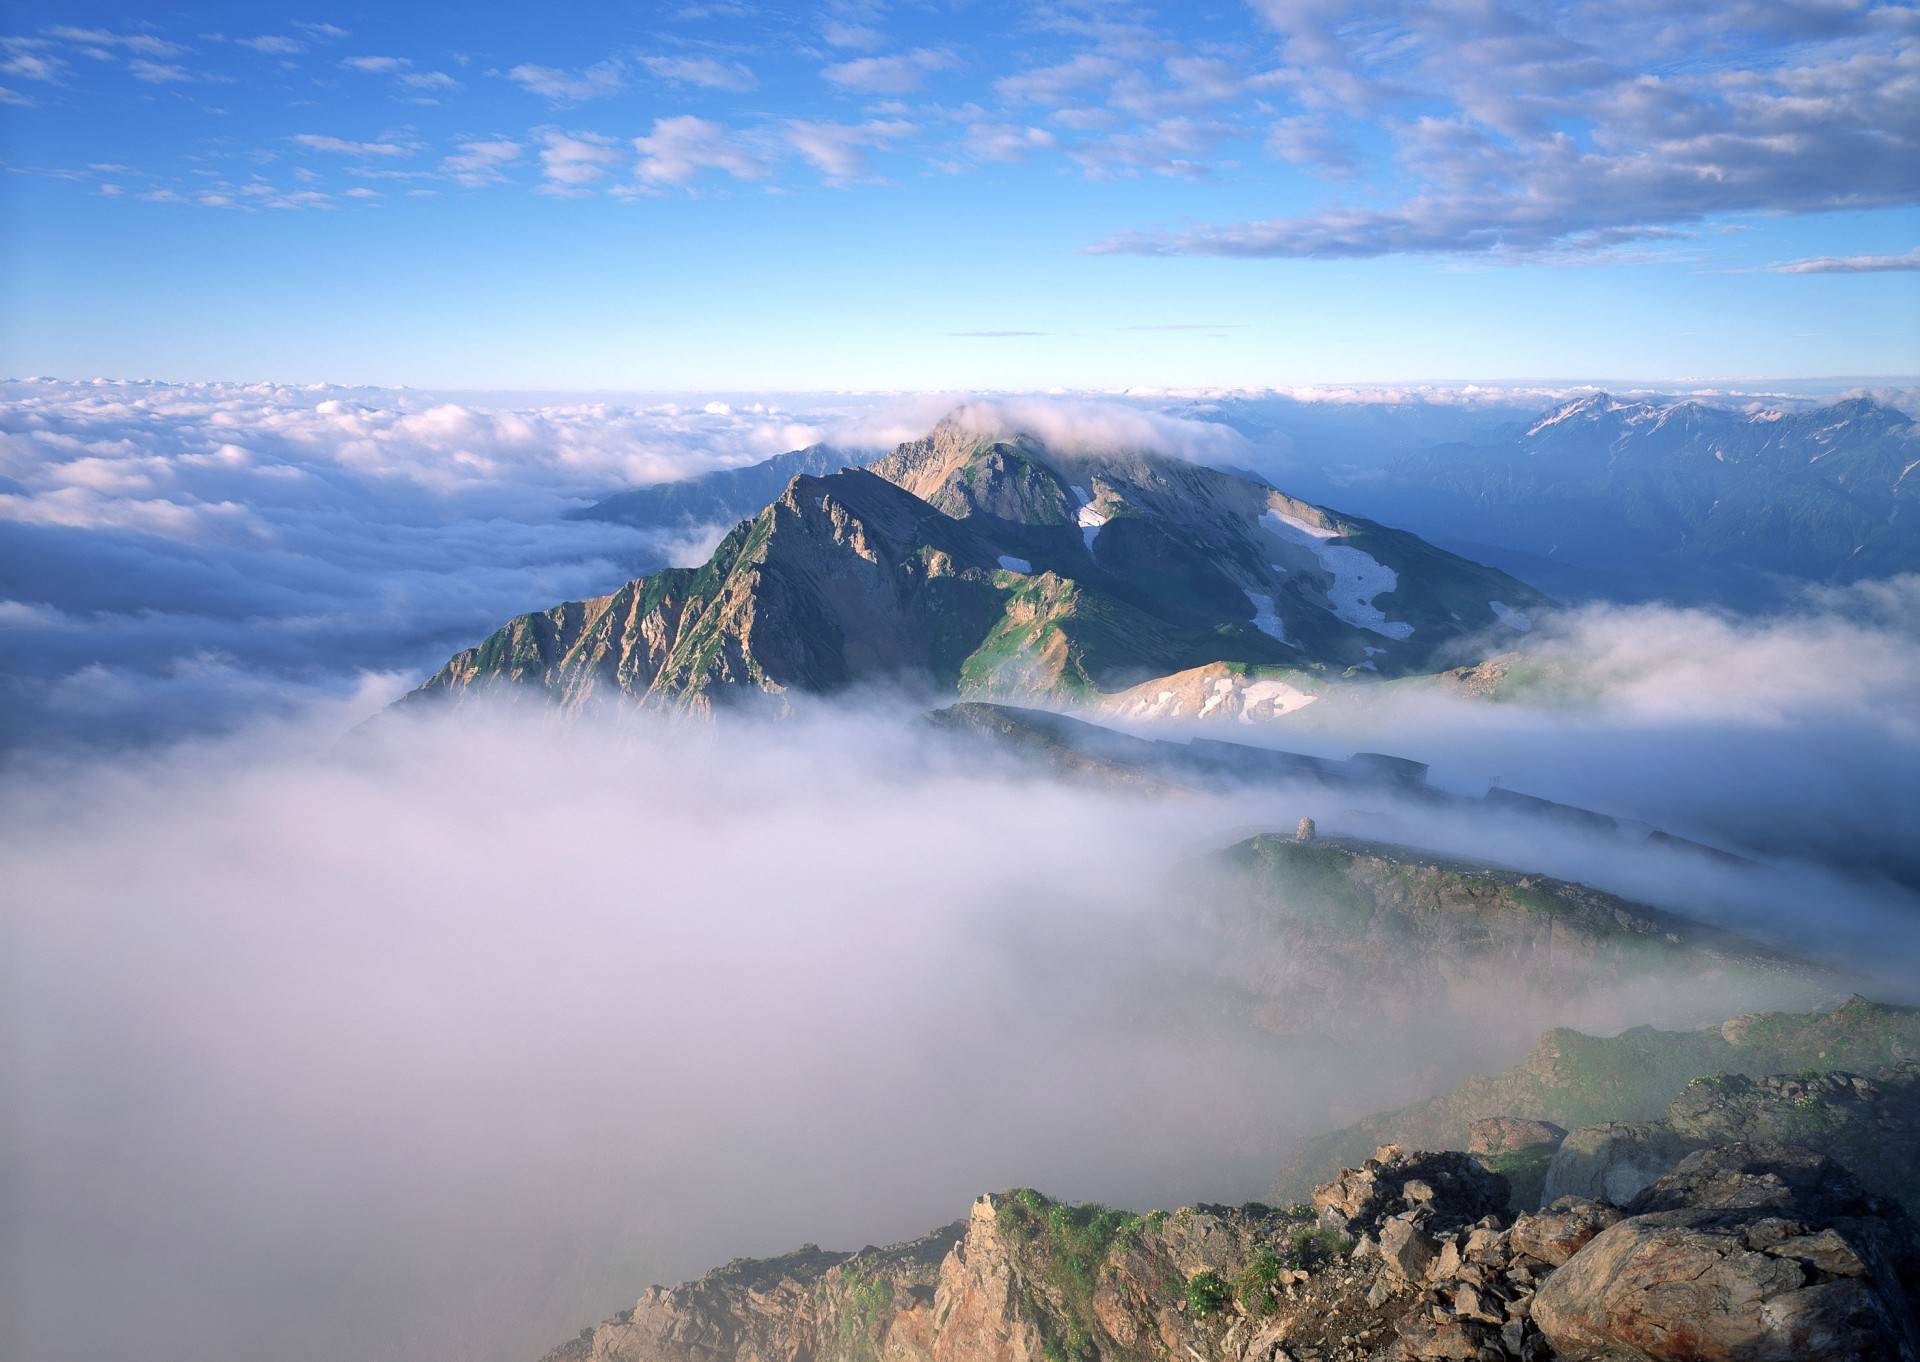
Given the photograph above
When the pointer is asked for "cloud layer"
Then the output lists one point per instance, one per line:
(440, 1041)
(1610, 130)
(179, 556)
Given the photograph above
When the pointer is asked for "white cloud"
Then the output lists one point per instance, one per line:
(428, 80)
(273, 45)
(342, 146)
(837, 150)
(859, 37)
(146, 43)
(32, 66)
(422, 83)
(1560, 135)
(1056, 83)
(569, 87)
(892, 75)
(1005, 141)
(702, 71)
(680, 148)
(481, 162)
(1850, 264)
(572, 161)
(159, 73)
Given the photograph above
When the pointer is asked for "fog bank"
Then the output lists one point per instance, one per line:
(442, 1044)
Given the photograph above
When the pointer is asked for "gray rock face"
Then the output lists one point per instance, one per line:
(1743, 1254)
(1613, 1162)
(1561, 1230)
(1872, 1125)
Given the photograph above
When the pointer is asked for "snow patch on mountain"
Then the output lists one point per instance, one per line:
(1091, 522)
(1357, 575)
(1264, 618)
(1012, 564)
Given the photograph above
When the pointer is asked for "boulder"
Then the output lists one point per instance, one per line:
(1614, 1162)
(1743, 1254)
(1405, 1249)
(1510, 1134)
(1748, 1177)
(1561, 1230)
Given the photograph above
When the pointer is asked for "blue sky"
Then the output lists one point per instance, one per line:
(730, 195)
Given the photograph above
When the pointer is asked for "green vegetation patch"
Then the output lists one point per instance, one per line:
(1066, 1246)
(1207, 1293)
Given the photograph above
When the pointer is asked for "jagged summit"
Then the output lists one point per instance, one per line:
(993, 563)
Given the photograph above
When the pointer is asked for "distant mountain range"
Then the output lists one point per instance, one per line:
(723, 496)
(1679, 500)
(993, 564)
(1596, 497)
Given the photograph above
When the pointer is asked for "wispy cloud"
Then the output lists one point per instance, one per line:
(1005, 141)
(1849, 264)
(899, 74)
(559, 86)
(273, 45)
(423, 84)
(159, 73)
(481, 162)
(341, 146)
(147, 44)
(837, 150)
(702, 71)
(1542, 136)
(30, 65)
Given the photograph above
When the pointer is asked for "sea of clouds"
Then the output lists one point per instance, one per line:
(184, 557)
(440, 1039)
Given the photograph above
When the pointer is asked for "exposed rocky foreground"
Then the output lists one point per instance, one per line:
(1753, 1242)
(1741, 1252)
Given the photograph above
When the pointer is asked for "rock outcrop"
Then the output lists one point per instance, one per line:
(1741, 1253)
(1573, 1079)
(1022, 1279)
(1867, 1124)
(1614, 1162)
(1744, 1253)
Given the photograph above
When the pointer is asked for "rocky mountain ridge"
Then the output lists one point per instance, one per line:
(978, 563)
(1742, 1248)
